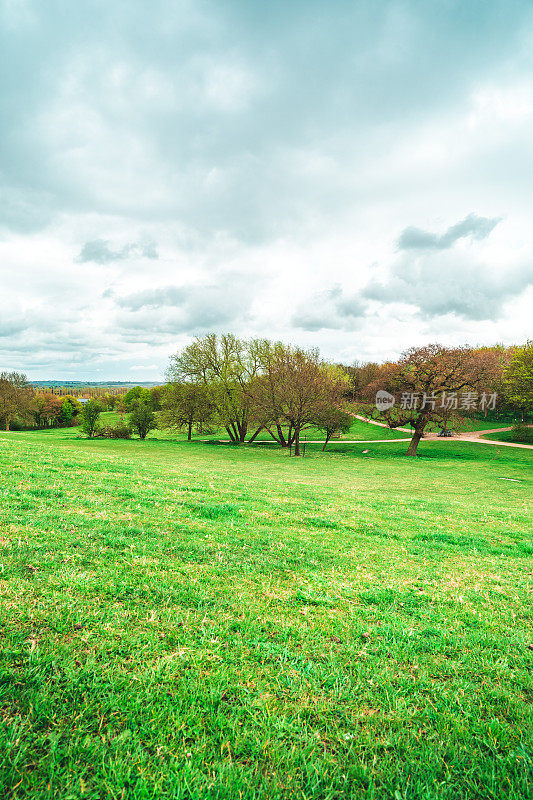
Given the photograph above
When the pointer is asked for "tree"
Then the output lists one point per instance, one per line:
(519, 378)
(295, 390)
(90, 415)
(135, 394)
(333, 421)
(361, 375)
(225, 365)
(500, 355)
(107, 400)
(142, 418)
(120, 406)
(74, 404)
(185, 405)
(66, 413)
(423, 384)
(16, 397)
(155, 397)
(47, 409)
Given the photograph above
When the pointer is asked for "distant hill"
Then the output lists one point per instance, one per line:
(95, 384)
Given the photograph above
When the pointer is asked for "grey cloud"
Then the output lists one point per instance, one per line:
(438, 286)
(471, 226)
(170, 109)
(315, 321)
(330, 309)
(24, 210)
(100, 251)
(11, 327)
(153, 298)
(169, 310)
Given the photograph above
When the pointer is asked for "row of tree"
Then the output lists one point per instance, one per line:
(256, 385)
(250, 386)
(253, 386)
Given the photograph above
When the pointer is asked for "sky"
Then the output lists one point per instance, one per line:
(353, 175)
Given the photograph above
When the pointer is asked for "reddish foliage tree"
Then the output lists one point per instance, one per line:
(422, 380)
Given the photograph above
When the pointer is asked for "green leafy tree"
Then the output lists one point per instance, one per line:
(185, 405)
(142, 419)
(66, 413)
(156, 393)
(136, 394)
(90, 415)
(519, 378)
(74, 402)
(333, 421)
(225, 365)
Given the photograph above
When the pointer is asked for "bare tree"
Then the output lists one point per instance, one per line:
(294, 390)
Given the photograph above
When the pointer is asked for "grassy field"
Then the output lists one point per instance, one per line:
(468, 425)
(359, 430)
(504, 436)
(209, 621)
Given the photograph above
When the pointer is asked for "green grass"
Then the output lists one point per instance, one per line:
(358, 430)
(208, 621)
(504, 436)
(468, 425)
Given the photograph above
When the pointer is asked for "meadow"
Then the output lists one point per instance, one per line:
(212, 621)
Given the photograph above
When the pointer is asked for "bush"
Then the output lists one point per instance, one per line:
(120, 431)
(522, 433)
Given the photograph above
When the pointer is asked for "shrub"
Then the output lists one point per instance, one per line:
(522, 433)
(120, 431)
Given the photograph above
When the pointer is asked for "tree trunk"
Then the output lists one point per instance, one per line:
(250, 440)
(297, 443)
(7, 423)
(417, 435)
(230, 433)
(281, 438)
(328, 437)
(189, 431)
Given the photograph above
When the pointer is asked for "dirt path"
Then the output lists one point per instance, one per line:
(469, 436)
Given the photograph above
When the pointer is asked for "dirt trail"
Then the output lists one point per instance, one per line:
(469, 436)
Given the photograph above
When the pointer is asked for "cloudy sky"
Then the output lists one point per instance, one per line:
(352, 174)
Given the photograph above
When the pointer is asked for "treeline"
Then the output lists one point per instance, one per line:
(22, 408)
(255, 386)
